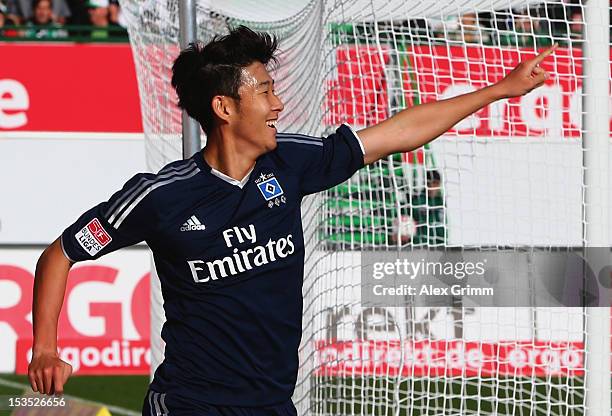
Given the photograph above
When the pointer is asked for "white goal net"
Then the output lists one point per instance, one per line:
(508, 179)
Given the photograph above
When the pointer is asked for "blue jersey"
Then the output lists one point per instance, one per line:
(230, 258)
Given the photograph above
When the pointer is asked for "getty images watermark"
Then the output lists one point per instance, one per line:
(513, 277)
(411, 270)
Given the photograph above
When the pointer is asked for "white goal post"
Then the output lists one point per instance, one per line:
(525, 175)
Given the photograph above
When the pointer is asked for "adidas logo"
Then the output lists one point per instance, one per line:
(193, 224)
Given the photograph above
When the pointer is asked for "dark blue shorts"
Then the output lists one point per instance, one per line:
(161, 404)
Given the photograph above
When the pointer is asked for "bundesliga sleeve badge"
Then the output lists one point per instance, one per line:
(93, 237)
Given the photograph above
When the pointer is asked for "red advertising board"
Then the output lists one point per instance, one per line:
(104, 323)
(68, 87)
(450, 358)
(369, 79)
(93, 88)
(94, 356)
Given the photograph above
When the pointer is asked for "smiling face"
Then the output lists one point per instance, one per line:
(254, 123)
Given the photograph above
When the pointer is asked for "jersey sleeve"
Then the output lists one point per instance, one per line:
(325, 162)
(119, 222)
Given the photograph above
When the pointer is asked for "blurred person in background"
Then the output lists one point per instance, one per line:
(7, 24)
(10, 12)
(471, 31)
(528, 31)
(3, 19)
(99, 17)
(557, 13)
(117, 20)
(443, 28)
(22, 11)
(428, 212)
(115, 16)
(465, 28)
(576, 28)
(41, 25)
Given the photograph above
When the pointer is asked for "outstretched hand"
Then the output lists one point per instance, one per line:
(525, 77)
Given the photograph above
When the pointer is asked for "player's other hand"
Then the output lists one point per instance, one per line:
(525, 77)
(48, 373)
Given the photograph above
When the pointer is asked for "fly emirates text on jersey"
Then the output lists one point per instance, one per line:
(241, 260)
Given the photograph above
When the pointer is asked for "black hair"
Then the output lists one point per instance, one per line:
(433, 175)
(36, 2)
(202, 71)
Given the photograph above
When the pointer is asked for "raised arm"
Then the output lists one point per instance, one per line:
(416, 126)
(47, 372)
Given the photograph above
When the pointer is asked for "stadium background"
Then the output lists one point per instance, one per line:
(70, 135)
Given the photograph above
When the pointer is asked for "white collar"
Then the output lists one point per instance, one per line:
(231, 180)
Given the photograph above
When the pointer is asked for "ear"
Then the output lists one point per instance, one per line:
(223, 107)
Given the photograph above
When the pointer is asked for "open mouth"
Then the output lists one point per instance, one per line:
(271, 124)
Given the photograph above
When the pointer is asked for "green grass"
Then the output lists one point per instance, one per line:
(123, 391)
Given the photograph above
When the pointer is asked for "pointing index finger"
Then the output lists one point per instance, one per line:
(544, 54)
